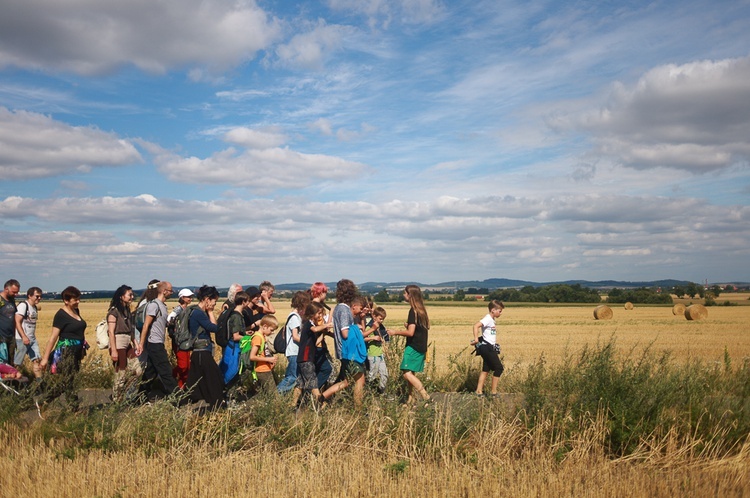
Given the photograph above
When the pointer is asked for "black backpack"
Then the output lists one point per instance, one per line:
(281, 340)
(222, 335)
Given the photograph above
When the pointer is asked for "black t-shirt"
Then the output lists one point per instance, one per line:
(418, 341)
(250, 317)
(307, 340)
(70, 328)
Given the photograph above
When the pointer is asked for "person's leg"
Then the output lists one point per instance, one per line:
(11, 349)
(335, 388)
(416, 384)
(495, 382)
(36, 357)
(480, 382)
(359, 388)
(323, 368)
(20, 353)
(290, 376)
(158, 358)
(494, 363)
(382, 369)
(371, 368)
(183, 367)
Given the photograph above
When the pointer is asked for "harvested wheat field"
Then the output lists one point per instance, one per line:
(525, 333)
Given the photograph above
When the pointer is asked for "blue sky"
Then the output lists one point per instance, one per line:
(378, 140)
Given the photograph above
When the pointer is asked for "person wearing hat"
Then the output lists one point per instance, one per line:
(180, 372)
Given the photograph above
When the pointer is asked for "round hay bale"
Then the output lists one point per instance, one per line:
(678, 309)
(603, 312)
(628, 306)
(696, 312)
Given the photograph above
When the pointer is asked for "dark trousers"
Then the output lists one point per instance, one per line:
(157, 365)
(323, 367)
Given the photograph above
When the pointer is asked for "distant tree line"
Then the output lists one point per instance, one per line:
(641, 295)
(556, 293)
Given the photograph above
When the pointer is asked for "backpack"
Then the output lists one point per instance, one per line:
(102, 334)
(246, 347)
(140, 316)
(222, 335)
(182, 336)
(281, 340)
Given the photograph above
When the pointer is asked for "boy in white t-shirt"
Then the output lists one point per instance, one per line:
(485, 340)
(26, 317)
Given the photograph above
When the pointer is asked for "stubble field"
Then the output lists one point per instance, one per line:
(527, 333)
(556, 443)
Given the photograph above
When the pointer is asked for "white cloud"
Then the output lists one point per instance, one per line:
(384, 12)
(311, 49)
(260, 169)
(255, 139)
(692, 117)
(94, 37)
(323, 125)
(34, 146)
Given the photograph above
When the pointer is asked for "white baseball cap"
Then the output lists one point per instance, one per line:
(185, 293)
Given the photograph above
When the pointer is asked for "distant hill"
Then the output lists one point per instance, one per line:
(490, 284)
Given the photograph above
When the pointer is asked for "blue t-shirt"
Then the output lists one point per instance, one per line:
(353, 348)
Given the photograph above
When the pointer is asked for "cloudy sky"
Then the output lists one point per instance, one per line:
(211, 141)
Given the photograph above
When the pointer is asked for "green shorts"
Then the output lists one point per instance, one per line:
(413, 360)
(354, 367)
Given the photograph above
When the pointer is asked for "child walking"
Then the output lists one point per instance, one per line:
(375, 335)
(262, 356)
(485, 341)
(307, 381)
(417, 327)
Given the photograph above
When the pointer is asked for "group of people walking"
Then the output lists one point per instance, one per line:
(242, 326)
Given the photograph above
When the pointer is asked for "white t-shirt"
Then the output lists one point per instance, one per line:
(28, 323)
(489, 331)
(295, 322)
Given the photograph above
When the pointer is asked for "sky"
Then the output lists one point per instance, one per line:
(214, 141)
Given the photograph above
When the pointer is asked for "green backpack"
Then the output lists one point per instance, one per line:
(246, 347)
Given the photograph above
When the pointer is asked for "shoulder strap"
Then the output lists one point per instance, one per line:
(289, 337)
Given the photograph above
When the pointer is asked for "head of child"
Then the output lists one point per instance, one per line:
(268, 325)
(300, 300)
(496, 307)
(241, 300)
(358, 306)
(378, 314)
(313, 311)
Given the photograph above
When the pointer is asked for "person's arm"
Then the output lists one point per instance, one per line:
(254, 356)
(50, 346)
(19, 325)
(236, 327)
(296, 334)
(409, 332)
(207, 320)
(373, 333)
(147, 322)
(267, 306)
(477, 333)
(111, 324)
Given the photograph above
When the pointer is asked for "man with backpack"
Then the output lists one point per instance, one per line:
(26, 343)
(153, 336)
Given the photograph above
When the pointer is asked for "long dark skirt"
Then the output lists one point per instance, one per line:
(205, 379)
